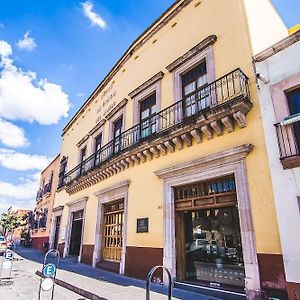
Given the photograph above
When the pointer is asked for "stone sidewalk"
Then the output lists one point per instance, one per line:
(106, 284)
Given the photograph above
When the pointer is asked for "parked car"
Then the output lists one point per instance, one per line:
(3, 245)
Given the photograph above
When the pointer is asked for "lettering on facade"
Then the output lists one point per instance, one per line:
(142, 225)
(107, 103)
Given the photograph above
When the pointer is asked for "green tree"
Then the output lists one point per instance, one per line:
(9, 222)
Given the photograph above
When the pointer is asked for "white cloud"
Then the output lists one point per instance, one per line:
(27, 43)
(95, 18)
(18, 161)
(22, 97)
(21, 195)
(80, 95)
(12, 135)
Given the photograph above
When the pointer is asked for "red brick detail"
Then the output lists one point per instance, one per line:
(38, 242)
(272, 275)
(87, 254)
(140, 260)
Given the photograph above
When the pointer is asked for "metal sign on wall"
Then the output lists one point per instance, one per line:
(142, 225)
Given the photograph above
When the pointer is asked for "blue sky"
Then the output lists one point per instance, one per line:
(70, 47)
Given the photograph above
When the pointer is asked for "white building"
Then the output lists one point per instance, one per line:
(278, 77)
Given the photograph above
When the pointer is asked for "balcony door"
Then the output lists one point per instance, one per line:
(147, 119)
(294, 106)
(98, 144)
(117, 138)
(82, 159)
(195, 96)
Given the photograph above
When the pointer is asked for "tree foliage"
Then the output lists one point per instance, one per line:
(9, 222)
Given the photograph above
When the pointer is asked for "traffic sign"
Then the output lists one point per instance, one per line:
(7, 264)
(49, 270)
(9, 255)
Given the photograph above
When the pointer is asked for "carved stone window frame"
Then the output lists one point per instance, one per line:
(153, 85)
(224, 163)
(189, 60)
(56, 212)
(114, 118)
(105, 196)
(73, 206)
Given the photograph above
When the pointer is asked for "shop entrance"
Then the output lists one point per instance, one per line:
(208, 239)
(56, 234)
(113, 231)
(76, 233)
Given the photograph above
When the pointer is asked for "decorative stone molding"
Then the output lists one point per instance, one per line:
(147, 84)
(116, 109)
(231, 161)
(208, 123)
(98, 126)
(58, 208)
(119, 185)
(83, 140)
(210, 40)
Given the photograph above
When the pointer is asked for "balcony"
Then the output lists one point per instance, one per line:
(208, 111)
(39, 195)
(288, 138)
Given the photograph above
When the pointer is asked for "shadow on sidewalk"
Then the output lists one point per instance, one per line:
(70, 264)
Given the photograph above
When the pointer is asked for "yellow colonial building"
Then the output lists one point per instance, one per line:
(165, 162)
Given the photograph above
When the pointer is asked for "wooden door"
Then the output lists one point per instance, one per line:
(113, 231)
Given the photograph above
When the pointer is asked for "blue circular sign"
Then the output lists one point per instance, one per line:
(49, 270)
(9, 255)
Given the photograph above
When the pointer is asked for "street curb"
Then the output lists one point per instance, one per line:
(74, 288)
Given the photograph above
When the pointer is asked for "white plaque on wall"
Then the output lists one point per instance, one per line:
(63, 233)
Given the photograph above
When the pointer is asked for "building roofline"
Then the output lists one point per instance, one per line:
(281, 45)
(50, 163)
(159, 23)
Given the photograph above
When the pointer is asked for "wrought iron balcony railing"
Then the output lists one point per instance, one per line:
(230, 87)
(288, 137)
(39, 194)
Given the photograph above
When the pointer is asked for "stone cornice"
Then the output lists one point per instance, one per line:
(210, 40)
(113, 188)
(231, 155)
(146, 84)
(285, 43)
(116, 109)
(163, 20)
(85, 138)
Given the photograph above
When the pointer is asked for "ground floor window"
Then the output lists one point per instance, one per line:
(208, 239)
(113, 231)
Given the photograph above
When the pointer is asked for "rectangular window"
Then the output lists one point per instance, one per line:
(117, 137)
(98, 144)
(62, 171)
(147, 112)
(195, 95)
(82, 160)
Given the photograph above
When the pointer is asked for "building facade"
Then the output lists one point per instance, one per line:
(42, 214)
(279, 81)
(166, 163)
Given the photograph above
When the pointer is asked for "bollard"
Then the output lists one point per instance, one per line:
(7, 263)
(149, 278)
(47, 281)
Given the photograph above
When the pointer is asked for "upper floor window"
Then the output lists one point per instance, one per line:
(147, 111)
(82, 159)
(98, 145)
(294, 107)
(194, 94)
(62, 171)
(117, 138)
